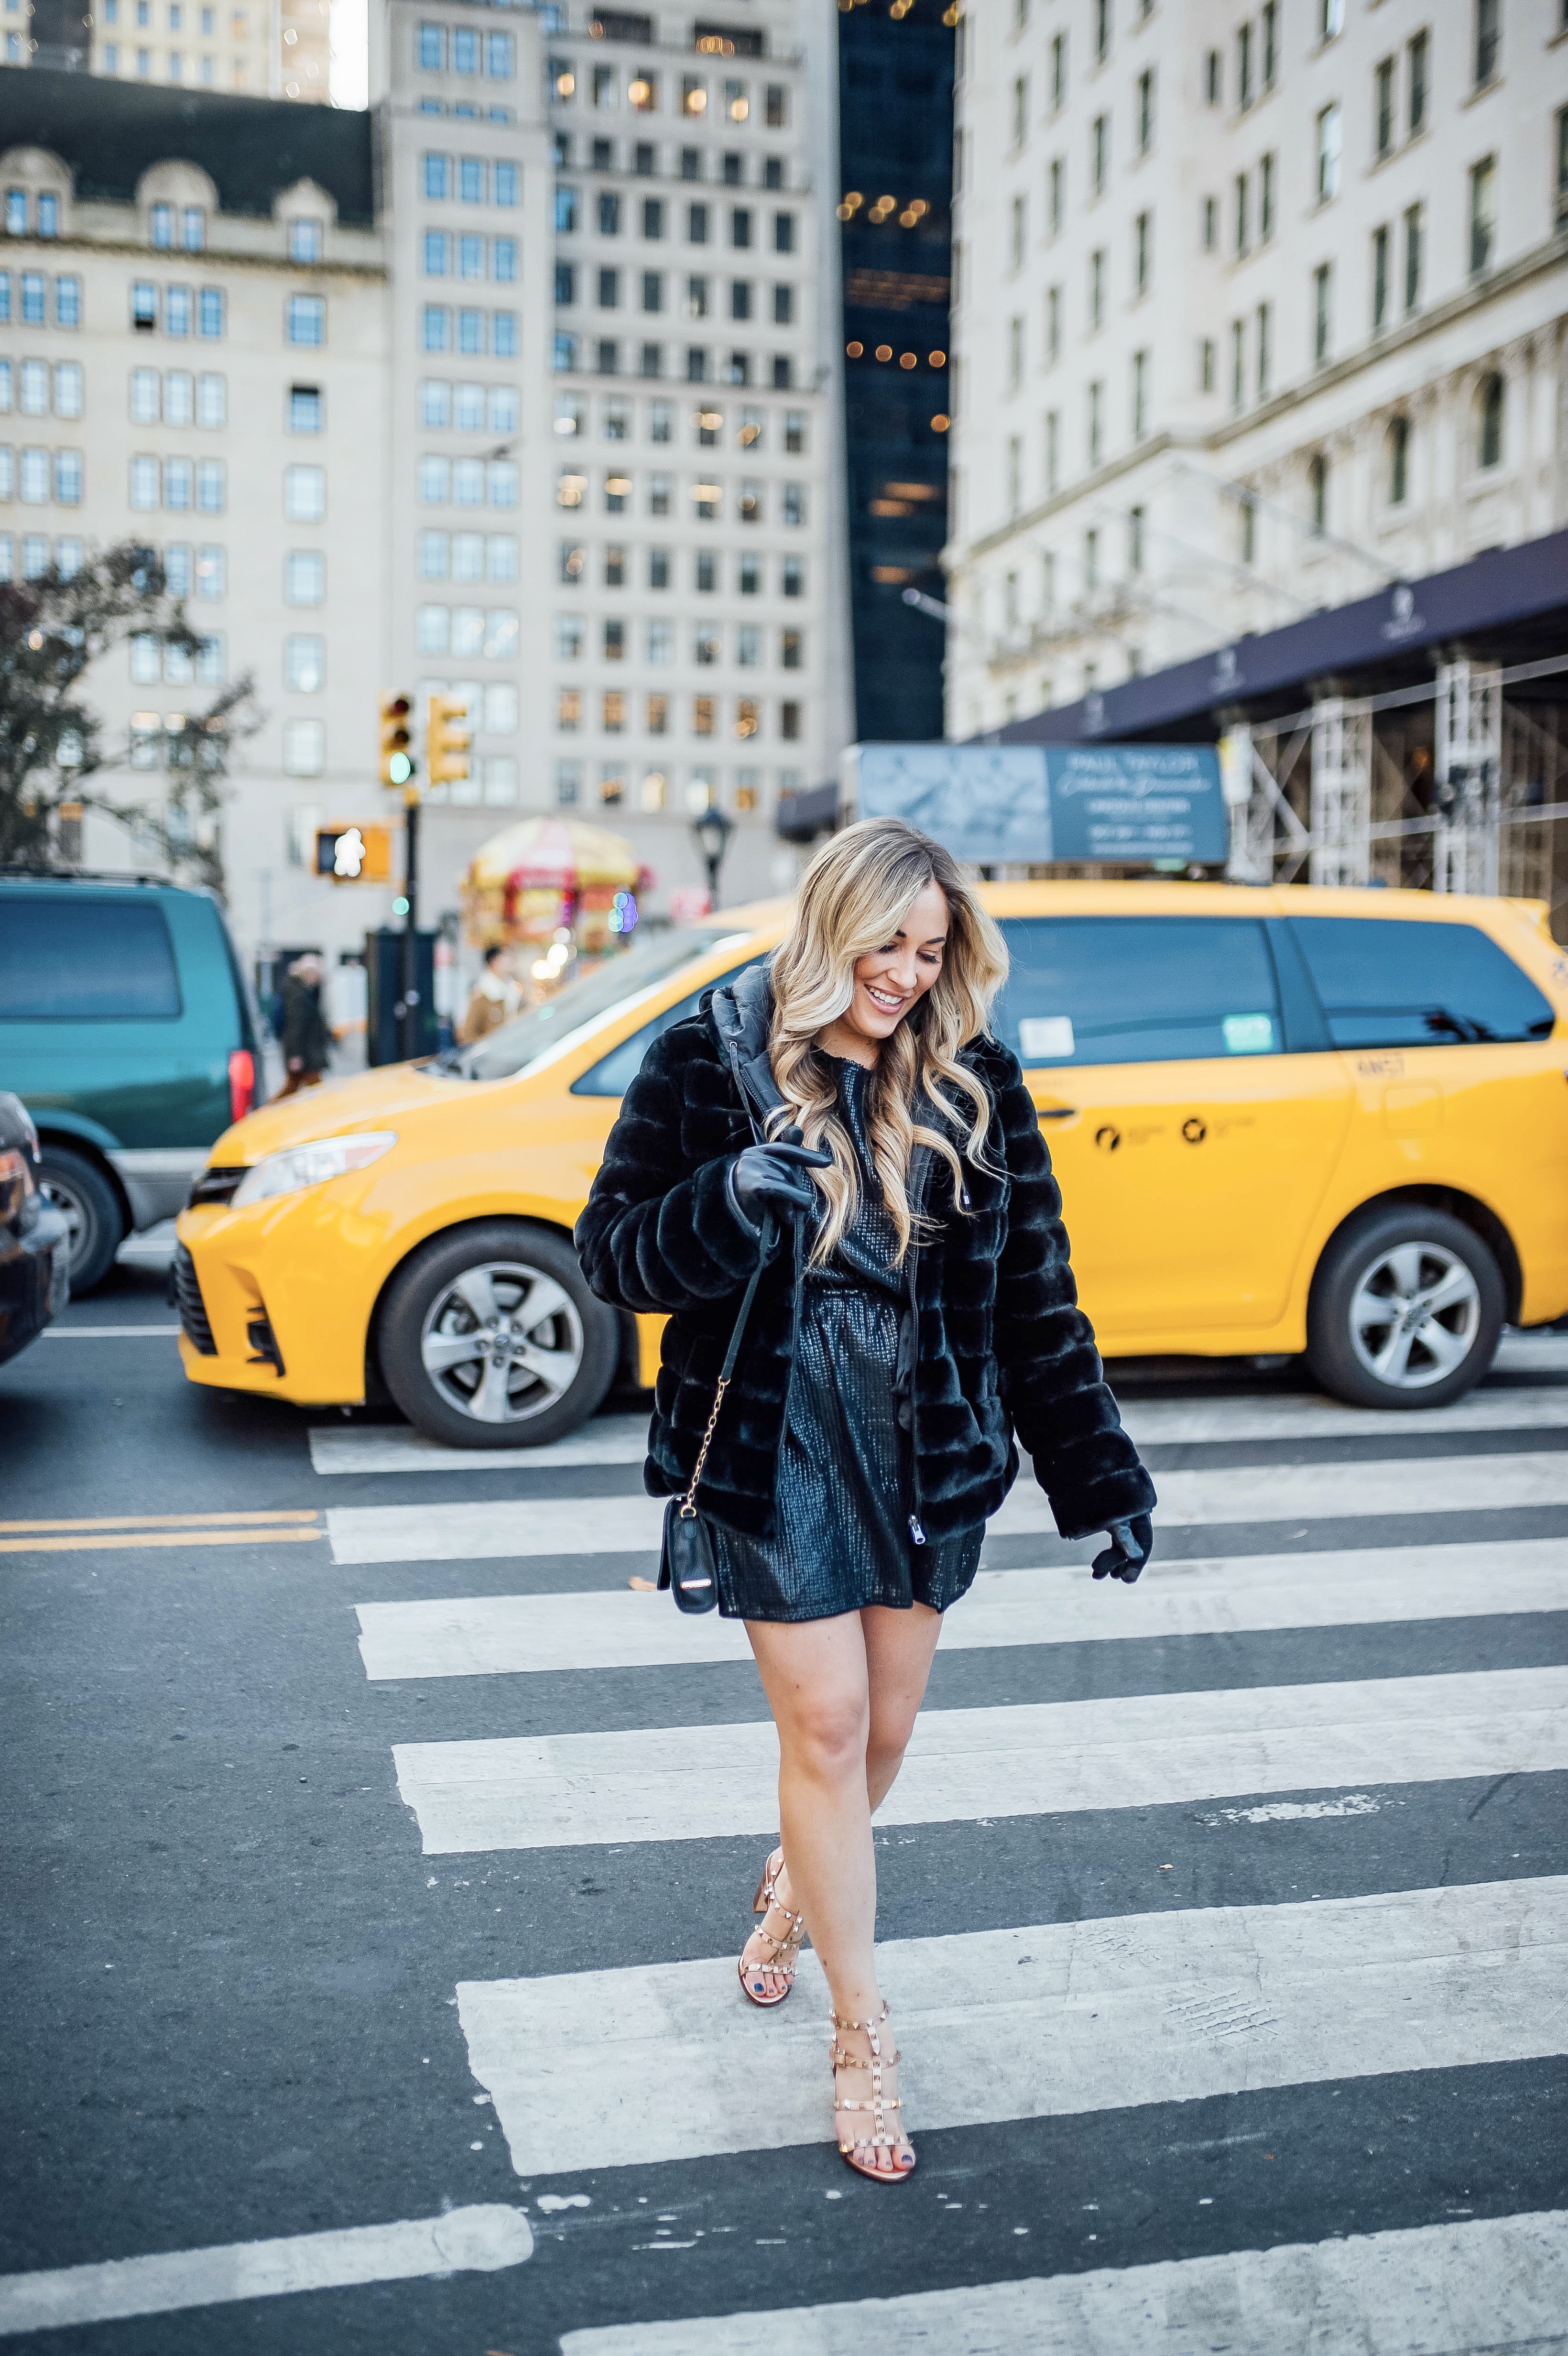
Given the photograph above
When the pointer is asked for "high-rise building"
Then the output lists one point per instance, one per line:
(1250, 319)
(450, 396)
(895, 139)
(697, 637)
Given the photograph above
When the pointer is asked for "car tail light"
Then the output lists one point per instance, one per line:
(241, 1082)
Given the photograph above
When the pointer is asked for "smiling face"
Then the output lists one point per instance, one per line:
(891, 979)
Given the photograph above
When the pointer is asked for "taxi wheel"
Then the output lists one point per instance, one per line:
(489, 1338)
(1407, 1310)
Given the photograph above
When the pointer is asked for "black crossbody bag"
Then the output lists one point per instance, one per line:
(686, 1564)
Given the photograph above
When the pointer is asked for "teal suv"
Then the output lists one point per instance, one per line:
(126, 1030)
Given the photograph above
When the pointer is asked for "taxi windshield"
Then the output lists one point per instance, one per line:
(515, 1045)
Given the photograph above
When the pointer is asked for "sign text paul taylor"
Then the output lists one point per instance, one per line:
(1133, 802)
(1122, 804)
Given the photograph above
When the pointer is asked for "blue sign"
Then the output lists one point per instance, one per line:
(1133, 803)
(992, 805)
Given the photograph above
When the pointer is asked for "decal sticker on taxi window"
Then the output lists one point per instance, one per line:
(1248, 1035)
(1046, 1037)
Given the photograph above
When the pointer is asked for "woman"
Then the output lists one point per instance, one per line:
(921, 1311)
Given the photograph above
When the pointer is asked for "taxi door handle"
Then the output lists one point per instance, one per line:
(1057, 1112)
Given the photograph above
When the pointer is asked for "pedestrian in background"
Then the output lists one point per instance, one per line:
(307, 1043)
(494, 1000)
(920, 1312)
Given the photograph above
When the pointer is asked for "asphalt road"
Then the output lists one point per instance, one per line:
(365, 1870)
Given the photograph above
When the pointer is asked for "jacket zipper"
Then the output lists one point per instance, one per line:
(921, 1174)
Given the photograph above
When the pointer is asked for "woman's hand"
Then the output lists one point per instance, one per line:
(1132, 1543)
(770, 1177)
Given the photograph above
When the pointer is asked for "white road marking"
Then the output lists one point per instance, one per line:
(623, 1438)
(103, 1333)
(511, 1528)
(480, 2239)
(395, 1448)
(1160, 1422)
(494, 1636)
(705, 1782)
(664, 2061)
(1497, 2282)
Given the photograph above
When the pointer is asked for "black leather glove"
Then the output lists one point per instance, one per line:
(1132, 1543)
(770, 1177)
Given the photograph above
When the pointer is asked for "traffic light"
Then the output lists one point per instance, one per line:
(446, 740)
(397, 737)
(355, 854)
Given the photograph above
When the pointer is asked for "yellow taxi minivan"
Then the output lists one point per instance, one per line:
(1282, 1119)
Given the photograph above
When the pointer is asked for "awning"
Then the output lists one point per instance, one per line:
(1509, 605)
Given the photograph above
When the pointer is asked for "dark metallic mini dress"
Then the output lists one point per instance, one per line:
(846, 1528)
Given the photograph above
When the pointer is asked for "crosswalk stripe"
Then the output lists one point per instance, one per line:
(1497, 2282)
(394, 1448)
(702, 1782)
(503, 1528)
(493, 1635)
(480, 2239)
(667, 2062)
(623, 1438)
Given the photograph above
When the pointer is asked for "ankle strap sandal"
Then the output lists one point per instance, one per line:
(881, 2104)
(785, 1951)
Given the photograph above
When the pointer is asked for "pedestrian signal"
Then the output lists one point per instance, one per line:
(397, 739)
(446, 740)
(355, 854)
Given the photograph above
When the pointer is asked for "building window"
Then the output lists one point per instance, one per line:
(1488, 41)
(211, 486)
(1317, 493)
(1238, 363)
(304, 494)
(1398, 461)
(305, 665)
(305, 240)
(1211, 223)
(1243, 225)
(1055, 183)
(1146, 111)
(1322, 307)
(1213, 77)
(1330, 18)
(1489, 434)
(1143, 251)
(1096, 421)
(1267, 175)
(1383, 108)
(160, 228)
(702, 712)
(1415, 242)
(1206, 364)
(304, 748)
(1419, 54)
(1099, 153)
(210, 311)
(1562, 211)
(1269, 26)
(306, 318)
(1483, 213)
(1330, 129)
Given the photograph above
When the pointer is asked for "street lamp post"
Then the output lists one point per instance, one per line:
(713, 830)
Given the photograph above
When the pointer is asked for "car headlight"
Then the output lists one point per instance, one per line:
(312, 1165)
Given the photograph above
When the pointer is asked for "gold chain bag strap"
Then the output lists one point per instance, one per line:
(686, 1564)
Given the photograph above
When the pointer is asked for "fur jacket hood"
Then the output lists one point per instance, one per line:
(1001, 1346)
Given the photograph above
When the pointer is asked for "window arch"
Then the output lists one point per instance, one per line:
(1489, 405)
(1398, 442)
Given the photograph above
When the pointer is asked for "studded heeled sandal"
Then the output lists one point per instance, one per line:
(785, 1951)
(880, 2105)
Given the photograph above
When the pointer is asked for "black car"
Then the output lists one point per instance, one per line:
(35, 1238)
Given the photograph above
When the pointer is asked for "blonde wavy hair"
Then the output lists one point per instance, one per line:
(853, 898)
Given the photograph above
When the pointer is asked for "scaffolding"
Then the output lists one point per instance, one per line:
(1448, 787)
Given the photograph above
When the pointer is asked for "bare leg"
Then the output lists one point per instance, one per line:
(900, 1646)
(844, 1694)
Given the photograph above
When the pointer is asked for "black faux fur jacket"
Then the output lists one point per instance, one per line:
(1003, 1346)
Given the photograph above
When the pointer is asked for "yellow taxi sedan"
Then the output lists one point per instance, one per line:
(1282, 1119)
